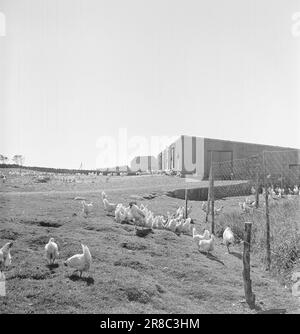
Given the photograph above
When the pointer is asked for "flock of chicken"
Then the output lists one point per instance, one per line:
(277, 192)
(217, 211)
(273, 194)
(143, 217)
(80, 262)
(179, 222)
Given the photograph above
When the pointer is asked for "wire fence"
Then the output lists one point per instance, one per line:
(278, 169)
(268, 196)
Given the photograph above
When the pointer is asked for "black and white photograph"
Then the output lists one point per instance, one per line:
(149, 159)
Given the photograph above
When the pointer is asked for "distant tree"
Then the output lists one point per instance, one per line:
(3, 159)
(18, 159)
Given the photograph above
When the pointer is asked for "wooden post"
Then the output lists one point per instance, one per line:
(207, 207)
(249, 295)
(212, 200)
(268, 247)
(186, 203)
(268, 230)
(257, 189)
(208, 199)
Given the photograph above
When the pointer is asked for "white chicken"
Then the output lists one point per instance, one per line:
(186, 226)
(128, 214)
(245, 207)
(149, 219)
(218, 211)
(280, 192)
(80, 262)
(172, 225)
(180, 212)
(103, 194)
(5, 256)
(120, 214)
(207, 245)
(164, 223)
(156, 222)
(51, 250)
(144, 209)
(178, 226)
(228, 237)
(272, 192)
(137, 213)
(169, 216)
(86, 208)
(109, 207)
(198, 237)
(249, 201)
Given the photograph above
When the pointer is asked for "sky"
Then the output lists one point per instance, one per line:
(97, 82)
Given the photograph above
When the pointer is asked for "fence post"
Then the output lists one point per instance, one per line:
(268, 247)
(212, 200)
(207, 206)
(249, 295)
(209, 190)
(268, 230)
(257, 189)
(186, 203)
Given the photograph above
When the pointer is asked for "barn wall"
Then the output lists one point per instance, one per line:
(228, 150)
(191, 155)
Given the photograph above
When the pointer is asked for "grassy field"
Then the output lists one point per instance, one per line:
(162, 273)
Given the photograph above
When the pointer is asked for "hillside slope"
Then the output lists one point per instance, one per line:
(163, 273)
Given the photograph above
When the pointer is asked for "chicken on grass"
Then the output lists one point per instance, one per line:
(207, 245)
(80, 262)
(51, 250)
(198, 237)
(228, 238)
(86, 208)
(5, 256)
(109, 207)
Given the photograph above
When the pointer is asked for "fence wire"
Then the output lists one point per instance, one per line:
(276, 173)
(279, 168)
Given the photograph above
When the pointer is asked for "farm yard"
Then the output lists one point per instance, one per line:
(161, 273)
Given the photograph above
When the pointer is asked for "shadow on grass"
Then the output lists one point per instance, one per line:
(237, 255)
(260, 310)
(270, 311)
(212, 257)
(52, 266)
(89, 280)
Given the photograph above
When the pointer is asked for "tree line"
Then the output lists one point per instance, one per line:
(18, 159)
